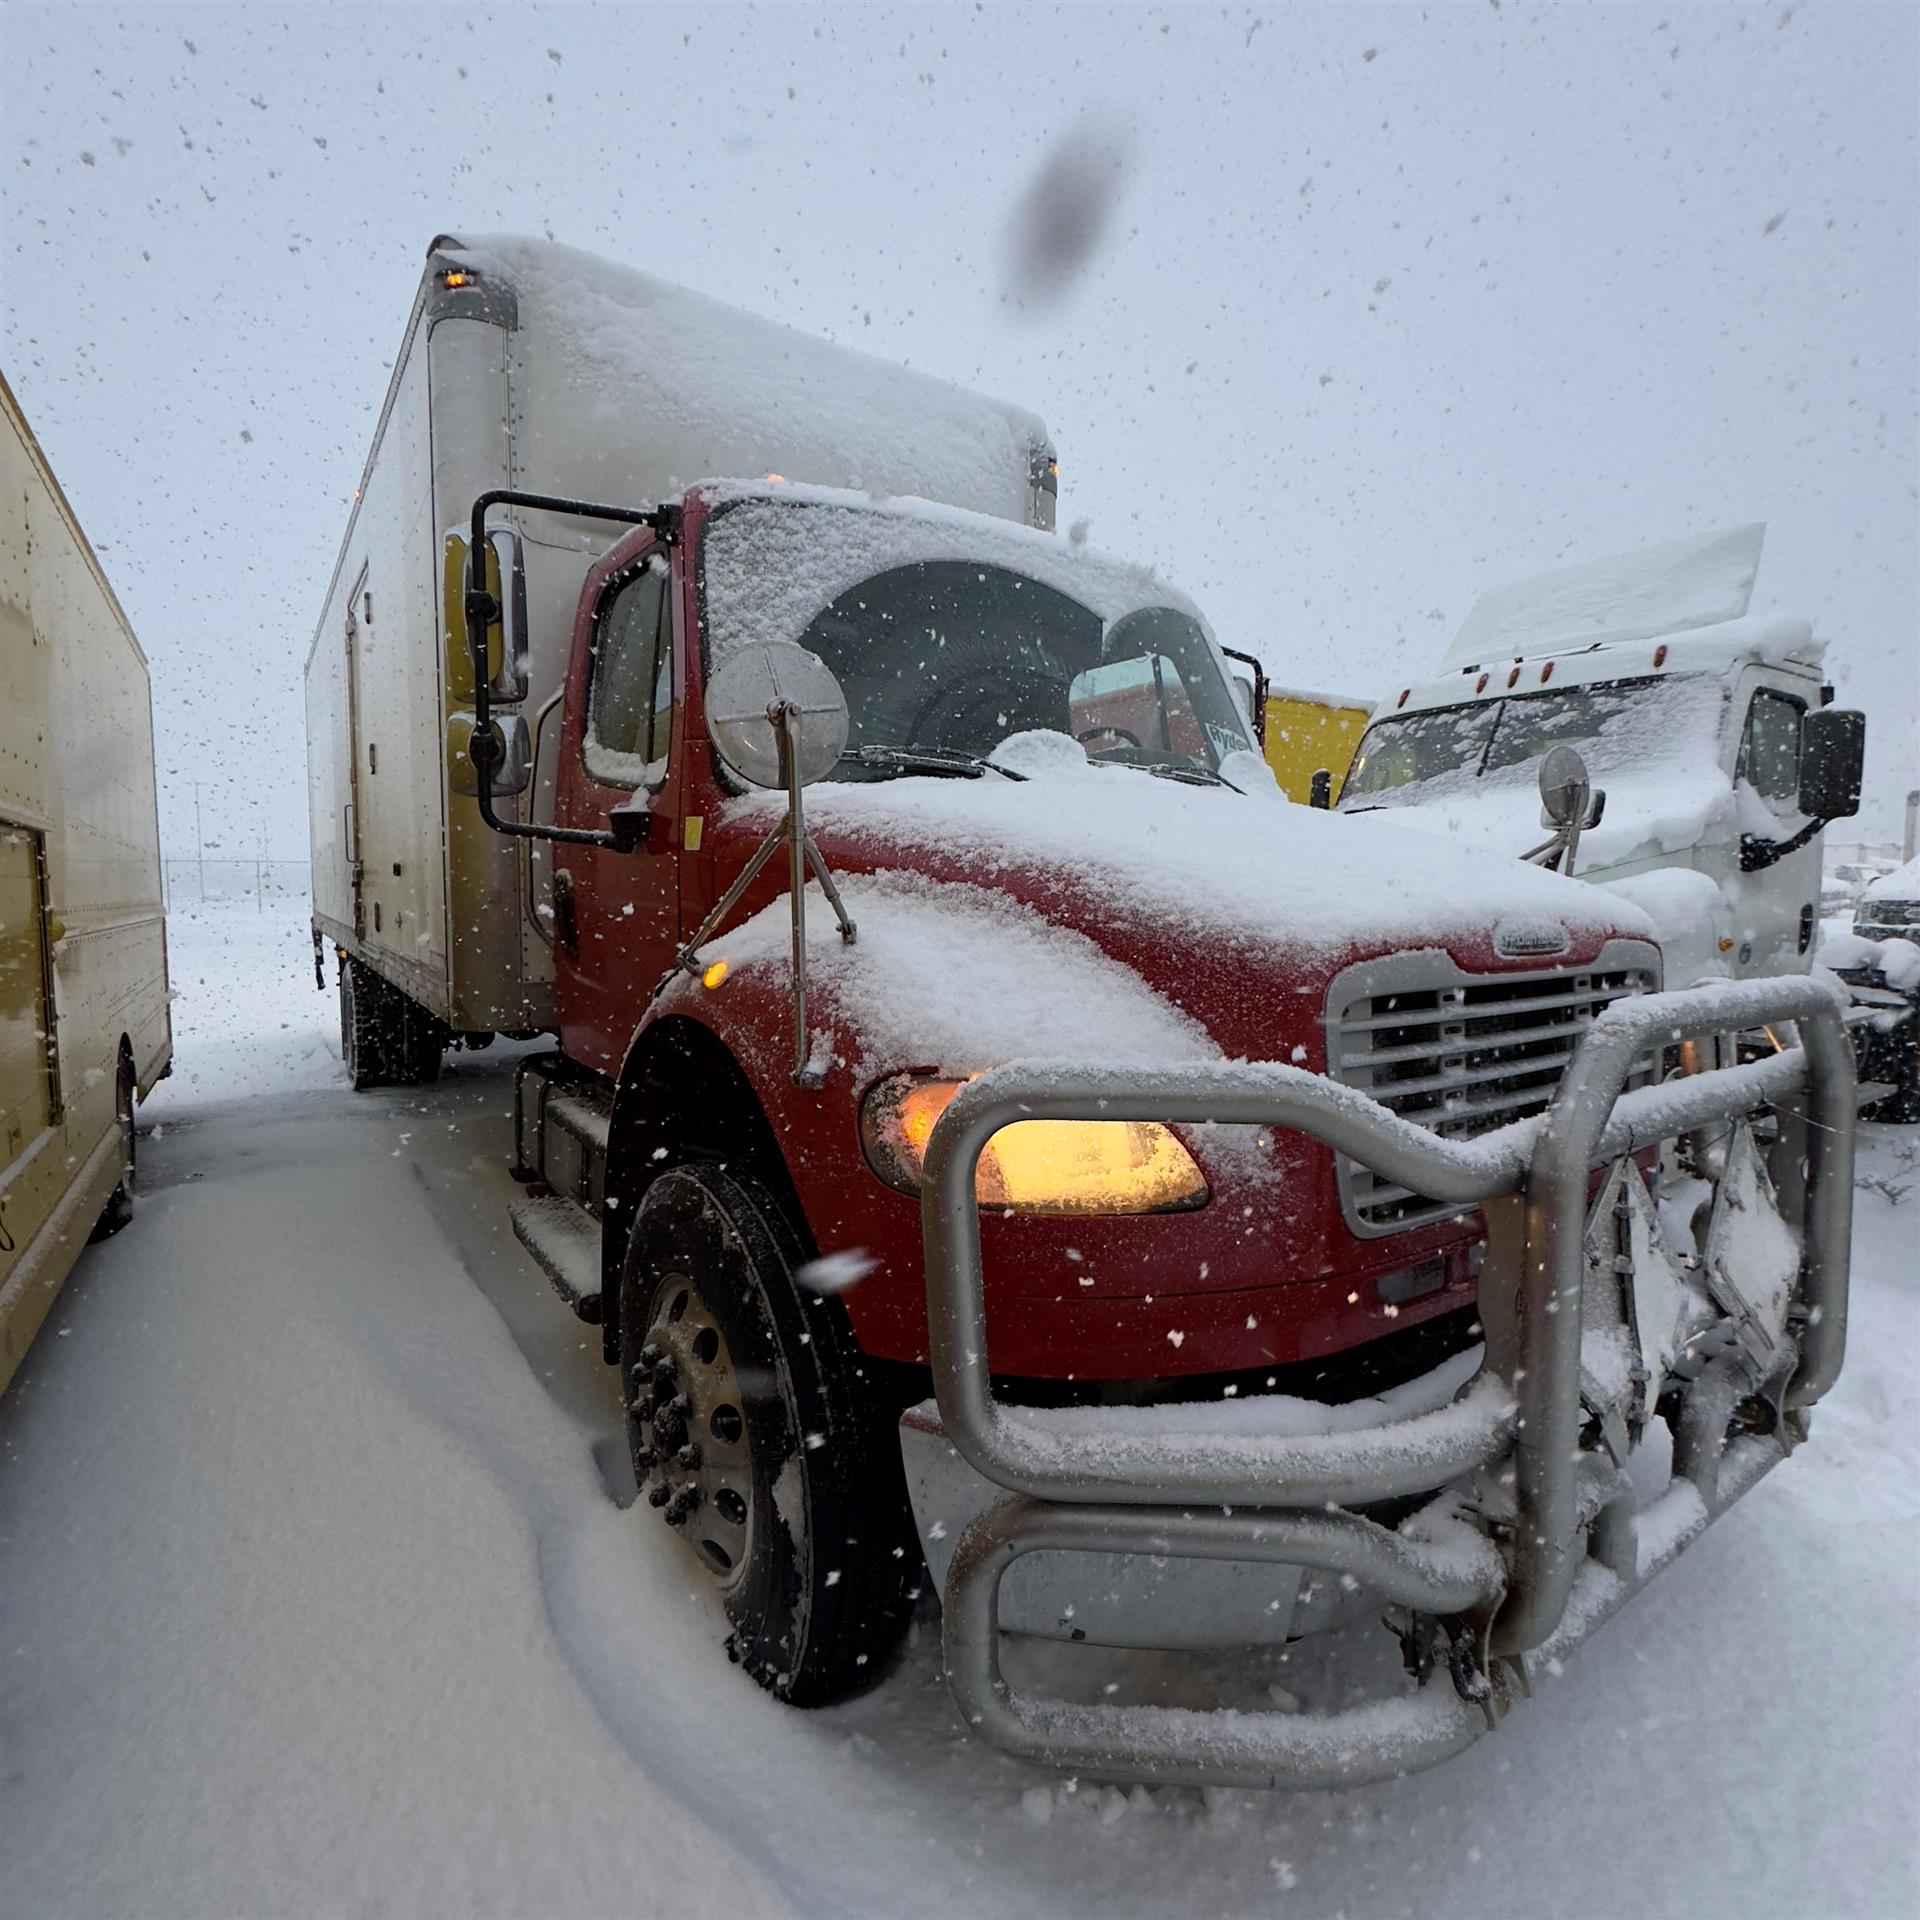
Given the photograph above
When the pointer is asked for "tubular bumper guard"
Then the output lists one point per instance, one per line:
(1573, 1548)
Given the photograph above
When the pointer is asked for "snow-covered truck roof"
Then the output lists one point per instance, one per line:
(627, 387)
(1702, 581)
(1677, 608)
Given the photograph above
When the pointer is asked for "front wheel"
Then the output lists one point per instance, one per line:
(756, 1431)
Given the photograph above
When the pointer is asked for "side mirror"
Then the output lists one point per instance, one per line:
(759, 681)
(505, 571)
(512, 757)
(1565, 789)
(1833, 751)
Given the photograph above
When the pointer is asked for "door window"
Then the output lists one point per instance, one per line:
(630, 684)
(1770, 748)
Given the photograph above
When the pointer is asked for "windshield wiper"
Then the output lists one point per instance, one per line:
(947, 760)
(1191, 775)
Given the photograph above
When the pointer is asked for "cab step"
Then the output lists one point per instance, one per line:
(564, 1240)
(560, 1127)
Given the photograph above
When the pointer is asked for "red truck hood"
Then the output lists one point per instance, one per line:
(1233, 909)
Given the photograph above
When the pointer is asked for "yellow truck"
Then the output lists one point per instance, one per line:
(1308, 731)
(84, 1028)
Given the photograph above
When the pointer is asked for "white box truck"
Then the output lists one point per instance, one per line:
(531, 366)
(84, 1029)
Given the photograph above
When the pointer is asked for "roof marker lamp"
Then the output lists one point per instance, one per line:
(1035, 1166)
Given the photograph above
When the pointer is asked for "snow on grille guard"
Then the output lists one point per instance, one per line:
(1569, 1550)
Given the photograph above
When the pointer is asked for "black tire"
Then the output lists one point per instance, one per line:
(386, 1039)
(800, 1508)
(365, 1020)
(118, 1212)
(422, 1043)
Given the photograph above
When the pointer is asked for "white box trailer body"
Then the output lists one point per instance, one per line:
(83, 953)
(537, 367)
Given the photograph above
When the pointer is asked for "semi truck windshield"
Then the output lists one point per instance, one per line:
(1619, 726)
(951, 655)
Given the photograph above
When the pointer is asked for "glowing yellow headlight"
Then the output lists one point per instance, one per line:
(1036, 1166)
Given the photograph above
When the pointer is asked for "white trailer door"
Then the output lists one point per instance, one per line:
(355, 748)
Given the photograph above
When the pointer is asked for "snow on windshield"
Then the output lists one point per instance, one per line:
(1623, 729)
(949, 632)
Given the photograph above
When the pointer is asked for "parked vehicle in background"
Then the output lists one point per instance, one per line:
(1881, 964)
(987, 1124)
(1708, 732)
(84, 1028)
(1309, 734)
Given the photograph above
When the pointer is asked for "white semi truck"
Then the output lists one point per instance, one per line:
(84, 1030)
(1715, 754)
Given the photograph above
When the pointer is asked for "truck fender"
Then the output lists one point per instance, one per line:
(682, 1095)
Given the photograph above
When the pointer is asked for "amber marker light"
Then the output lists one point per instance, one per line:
(715, 974)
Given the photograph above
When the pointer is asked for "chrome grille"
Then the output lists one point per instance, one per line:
(1461, 1054)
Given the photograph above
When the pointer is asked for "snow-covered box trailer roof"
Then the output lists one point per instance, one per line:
(534, 366)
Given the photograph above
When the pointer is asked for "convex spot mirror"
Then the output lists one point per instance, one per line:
(1833, 749)
(513, 768)
(1564, 787)
(752, 684)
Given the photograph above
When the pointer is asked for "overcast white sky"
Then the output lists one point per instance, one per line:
(1397, 302)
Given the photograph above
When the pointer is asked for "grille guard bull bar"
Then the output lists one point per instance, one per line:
(1573, 1551)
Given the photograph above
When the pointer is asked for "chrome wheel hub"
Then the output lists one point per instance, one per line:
(691, 1427)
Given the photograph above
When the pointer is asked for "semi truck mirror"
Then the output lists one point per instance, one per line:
(507, 582)
(1564, 787)
(1833, 749)
(777, 718)
(510, 756)
(744, 696)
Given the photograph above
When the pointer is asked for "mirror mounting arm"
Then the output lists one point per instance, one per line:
(483, 608)
(1757, 852)
(1259, 691)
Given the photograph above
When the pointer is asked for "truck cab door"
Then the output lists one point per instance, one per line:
(616, 916)
(1776, 907)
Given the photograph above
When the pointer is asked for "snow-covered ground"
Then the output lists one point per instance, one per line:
(318, 1593)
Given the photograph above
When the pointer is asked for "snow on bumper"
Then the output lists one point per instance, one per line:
(1594, 1333)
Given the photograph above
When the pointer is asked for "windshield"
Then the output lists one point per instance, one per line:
(950, 654)
(1620, 727)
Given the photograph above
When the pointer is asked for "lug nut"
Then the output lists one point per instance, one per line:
(659, 1494)
(645, 1460)
(688, 1456)
(649, 1356)
(665, 1373)
(682, 1505)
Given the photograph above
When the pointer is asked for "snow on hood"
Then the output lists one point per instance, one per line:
(1696, 582)
(1250, 869)
(962, 978)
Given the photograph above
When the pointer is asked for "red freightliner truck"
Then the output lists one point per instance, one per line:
(994, 1131)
